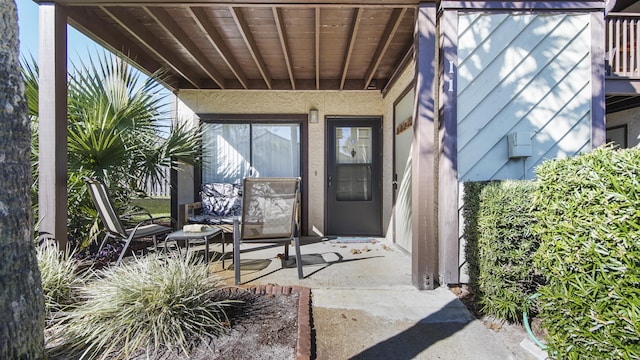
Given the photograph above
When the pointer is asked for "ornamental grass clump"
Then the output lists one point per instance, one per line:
(151, 306)
(588, 217)
(61, 279)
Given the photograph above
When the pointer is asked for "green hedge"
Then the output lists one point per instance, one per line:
(587, 210)
(500, 245)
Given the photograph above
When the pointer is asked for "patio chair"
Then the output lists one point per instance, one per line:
(113, 224)
(270, 209)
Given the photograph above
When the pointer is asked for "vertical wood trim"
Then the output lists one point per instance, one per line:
(598, 107)
(304, 171)
(177, 218)
(447, 151)
(424, 255)
(317, 46)
(52, 100)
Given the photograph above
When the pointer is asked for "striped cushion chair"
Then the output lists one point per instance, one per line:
(113, 224)
(219, 204)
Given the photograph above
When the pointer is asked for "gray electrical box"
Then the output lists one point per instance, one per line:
(519, 145)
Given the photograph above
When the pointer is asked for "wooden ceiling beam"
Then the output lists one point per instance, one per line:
(355, 24)
(93, 27)
(383, 45)
(317, 43)
(216, 40)
(284, 43)
(151, 42)
(296, 4)
(251, 44)
(406, 61)
(172, 29)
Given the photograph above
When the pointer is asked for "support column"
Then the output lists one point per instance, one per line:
(424, 252)
(448, 237)
(598, 109)
(52, 103)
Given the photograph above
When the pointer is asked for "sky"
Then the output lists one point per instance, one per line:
(79, 47)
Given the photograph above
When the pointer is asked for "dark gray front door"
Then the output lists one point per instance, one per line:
(354, 205)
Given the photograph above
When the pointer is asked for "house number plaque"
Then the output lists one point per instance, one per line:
(404, 126)
(450, 81)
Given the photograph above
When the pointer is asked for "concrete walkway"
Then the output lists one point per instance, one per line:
(365, 307)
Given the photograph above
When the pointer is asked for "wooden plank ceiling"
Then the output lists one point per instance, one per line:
(341, 45)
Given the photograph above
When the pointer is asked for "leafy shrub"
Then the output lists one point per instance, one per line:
(588, 217)
(61, 278)
(500, 245)
(149, 305)
(470, 211)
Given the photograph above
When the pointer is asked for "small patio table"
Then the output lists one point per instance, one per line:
(205, 234)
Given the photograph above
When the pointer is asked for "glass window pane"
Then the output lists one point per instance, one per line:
(234, 151)
(276, 150)
(353, 182)
(353, 145)
(226, 153)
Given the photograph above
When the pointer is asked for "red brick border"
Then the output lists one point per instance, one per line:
(303, 344)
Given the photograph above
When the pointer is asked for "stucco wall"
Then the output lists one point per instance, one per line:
(328, 103)
(631, 118)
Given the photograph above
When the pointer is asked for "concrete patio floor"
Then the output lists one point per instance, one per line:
(364, 305)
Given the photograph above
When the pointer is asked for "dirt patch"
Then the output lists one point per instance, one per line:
(267, 329)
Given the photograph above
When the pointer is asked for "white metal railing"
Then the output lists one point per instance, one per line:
(622, 50)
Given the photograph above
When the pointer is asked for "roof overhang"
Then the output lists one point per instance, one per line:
(262, 45)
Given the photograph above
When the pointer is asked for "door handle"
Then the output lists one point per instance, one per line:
(329, 181)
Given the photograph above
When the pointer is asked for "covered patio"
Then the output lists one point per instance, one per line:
(341, 46)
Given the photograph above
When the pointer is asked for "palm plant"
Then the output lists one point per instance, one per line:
(115, 117)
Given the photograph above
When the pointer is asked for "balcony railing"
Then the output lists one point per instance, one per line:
(622, 51)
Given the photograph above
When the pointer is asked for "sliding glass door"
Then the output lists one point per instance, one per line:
(233, 151)
(275, 150)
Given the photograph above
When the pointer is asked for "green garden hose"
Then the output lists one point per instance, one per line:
(525, 320)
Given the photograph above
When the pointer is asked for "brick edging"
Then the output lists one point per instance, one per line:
(303, 344)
